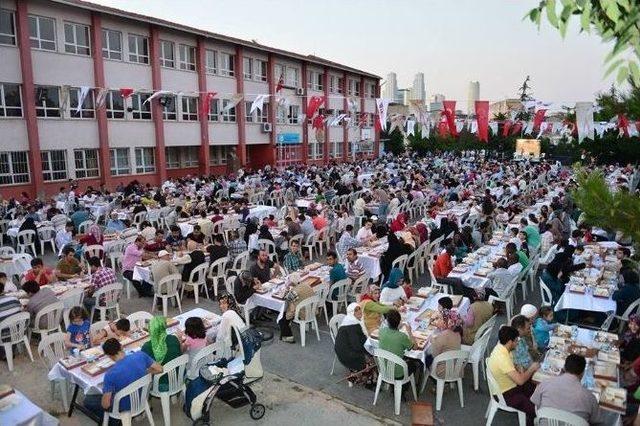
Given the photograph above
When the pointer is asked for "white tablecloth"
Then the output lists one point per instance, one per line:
(474, 281)
(14, 267)
(26, 413)
(99, 209)
(260, 212)
(585, 302)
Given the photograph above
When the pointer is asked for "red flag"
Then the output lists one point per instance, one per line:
(318, 122)
(280, 84)
(443, 128)
(623, 123)
(450, 113)
(482, 116)
(517, 128)
(314, 104)
(506, 128)
(538, 117)
(126, 92)
(206, 103)
(376, 124)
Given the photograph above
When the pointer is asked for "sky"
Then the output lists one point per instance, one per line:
(452, 42)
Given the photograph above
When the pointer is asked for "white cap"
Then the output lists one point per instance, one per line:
(163, 253)
(528, 311)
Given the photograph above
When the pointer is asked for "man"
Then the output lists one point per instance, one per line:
(79, 216)
(397, 342)
(196, 236)
(318, 221)
(174, 240)
(533, 235)
(443, 266)
(100, 277)
(346, 241)
(126, 370)
(133, 254)
(293, 260)
(206, 226)
(261, 270)
(217, 250)
(354, 266)
(337, 272)
(40, 273)
(68, 267)
(163, 266)
(157, 244)
(9, 305)
(511, 248)
(565, 392)
(628, 292)
(293, 228)
(306, 225)
(236, 246)
(64, 236)
(500, 279)
(515, 386)
(365, 234)
(114, 224)
(39, 298)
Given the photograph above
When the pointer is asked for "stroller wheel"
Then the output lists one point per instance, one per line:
(257, 411)
(200, 422)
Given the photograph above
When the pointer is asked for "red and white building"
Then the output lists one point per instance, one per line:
(50, 50)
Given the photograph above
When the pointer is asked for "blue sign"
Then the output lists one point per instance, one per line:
(288, 138)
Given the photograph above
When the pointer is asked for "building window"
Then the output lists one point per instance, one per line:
(263, 115)
(333, 83)
(281, 115)
(337, 149)
(111, 44)
(141, 109)
(211, 61)
(340, 85)
(168, 104)
(76, 39)
(294, 114)
(10, 100)
(86, 163)
(315, 81)
(42, 32)
(247, 108)
(247, 68)
(145, 160)
(119, 160)
(218, 155)
(182, 156)
(138, 49)
(230, 115)
(260, 70)
(54, 165)
(189, 108)
(292, 77)
(227, 66)
(7, 27)
(354, 87)
(115, 105)
(167, 58)
(47, 101)
(213, 110)
(187, 59)
(87, 109)
(369, 90)
(172, 157)
(14, 167)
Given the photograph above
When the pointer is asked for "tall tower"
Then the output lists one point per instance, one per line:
(391, 87)
(473, 95)
(418, 92)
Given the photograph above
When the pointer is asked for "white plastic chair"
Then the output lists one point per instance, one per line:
(310, 306)
(270, 247)
(138, 219)
(454, 363)
(47, 234)
(207, 354)
(52, 314)
(497, 402)
(17, 326)
(342, 287)
(387, 362)
(477, 351)
(557, 417)
(310, 243)
(84, 226)
(139, 320)
(358, 287)
(107, 299)
(197, 278)
(545, 294)
(51, 349)
(97, 327)
(400, 262)
(6, 251)
(26, 239)
(95, 250)
(240, 263)
(166, 289)
(508, 299)
(175, 371)
(138, 393)
(334, 324)
(216, 272)
(624, 318)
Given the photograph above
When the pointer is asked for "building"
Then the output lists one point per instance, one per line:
(436, 102)
(418, 92)
(391, 88)
(62, 53)
(505, 106)
(473, 95)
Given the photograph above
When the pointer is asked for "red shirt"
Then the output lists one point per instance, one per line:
(44, 278)
(442, 266)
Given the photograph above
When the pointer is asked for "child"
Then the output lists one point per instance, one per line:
(6, 286)
(78, 331)
(408, 290)
(119, 329)
(542, 327)
(194, 337)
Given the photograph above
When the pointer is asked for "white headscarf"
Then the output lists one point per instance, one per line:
(350, 318)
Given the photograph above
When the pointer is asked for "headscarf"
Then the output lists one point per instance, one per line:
(96, 232)
(628, 336)
(395, 278)
(450, 320)
(399, 223)
(158, 332)
(370, 290)
(350, 318)
(231, 301)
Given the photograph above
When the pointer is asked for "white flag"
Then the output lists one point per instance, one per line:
(584, 120)
(101, 98)
(474, 126)
(493, 125)
(352, 103)
(84, 91)
(529, 128)
(382, 105)
(258, 103)
(232, 102)
(411, 124)
(157, 94)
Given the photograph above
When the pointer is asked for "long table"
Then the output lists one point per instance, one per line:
(25, 413)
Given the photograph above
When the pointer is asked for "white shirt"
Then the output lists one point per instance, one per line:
(364, 234)
(515, 269)
(390, 295)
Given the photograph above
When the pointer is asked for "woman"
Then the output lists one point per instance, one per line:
(296, 293)
(93, 236)
(231, 317)
(264, 233)
(162, 347)
(632, 335)
(251, 229)
(392, 290)
(372, 309)
(396, 249)
(558, 272)
(30, 225)
(449, 337)
(399, 223)
(349, 346)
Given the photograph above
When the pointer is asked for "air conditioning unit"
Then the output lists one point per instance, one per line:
(266, 127)
(300, 91)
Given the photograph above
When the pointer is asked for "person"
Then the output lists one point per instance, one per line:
(9, 305)
(306, 225)
(264, 233)
(397, 342)
(337, 272)
(558, 272)
(78, 331)
(261, 269)
(147, 230)
(515, 385)
(532, 232)
(511, 248)
(119, 329)
(93, 236)
(478, 314)
(372, 309)
(365, 234)
(399, 223)
(79, 216)
(449, 336)
(236, 246)
(392, 292)
(396, 249)
(244, 287)
(39, 298)
(6, 286)
(297, 292)
(162, 347)
(175, 240)
(566, 392)
(522, 359)
(500, 280)
(133, 254)
(354, 266)
(350, 340)
(293, 227)
(346, 241)
(293, 260)
(29, 224)
(196, 236)
(64, 236)
(217, 250)
(205, 224)
(40, 273)
(196, 258)
(158, 243)
(100, 277)
(114, 224)
(318, 220)
(126, 370)
(542, 327)
(163, 267)
(628, 292)
(194, 337)
(443, 266)
(231, 317)
(68, 266)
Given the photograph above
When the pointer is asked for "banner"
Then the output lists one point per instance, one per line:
(482, 116)
(382, 105)
(258, 102)
(101, 98)
(584, 120)
(126, 92)
(233, 101)
(450, 114)
(538, 117)
(314, 104)
(623, 124)
(506, 128)
(318, 122)
(82, 95)
(156, 94)
(411, 124)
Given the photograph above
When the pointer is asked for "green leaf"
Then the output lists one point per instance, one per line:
(613, 12)
(562, 27)
(613, 67)
(623, 73)
(626, 5)
(551, 13)
(585, 18)
(635, 72)
(566, 12)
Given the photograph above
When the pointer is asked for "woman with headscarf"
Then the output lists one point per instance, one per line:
(449, 336)
(251, 228)
(372, 309)
(93, 236)
(423, 231)
(162, 347)
(399, 223)
(231, 317)
(392, 290)
(631, 337)
(350, 339)
(558, 272)
(30, 225)
(396, 249)
(264, 233)
(297, 292)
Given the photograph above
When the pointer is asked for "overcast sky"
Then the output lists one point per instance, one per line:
(451, 41)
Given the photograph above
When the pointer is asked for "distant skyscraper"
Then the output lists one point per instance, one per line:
(391, 88)
(418, 92)
(435, 102)
(473, 96)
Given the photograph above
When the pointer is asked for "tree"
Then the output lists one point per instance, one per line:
(395, 142)
(524, 95)
(616, 21)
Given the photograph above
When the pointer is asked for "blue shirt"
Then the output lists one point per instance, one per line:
(521, 356)
(79, 333)
(336, 274)
(124, 372)
(115, 225)
(78, 217)
(540, 330)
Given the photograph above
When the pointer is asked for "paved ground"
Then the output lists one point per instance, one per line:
(297, 386)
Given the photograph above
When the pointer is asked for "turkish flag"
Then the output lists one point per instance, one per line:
(376, 124)
(482, 117)
(280, 84)
(317, 122)
(506, 127)
(450, 113)
(314, 104)
(538, 117)
(126, 92)
(206, 103)
(443, 128)
(517, 128)
(623, 123)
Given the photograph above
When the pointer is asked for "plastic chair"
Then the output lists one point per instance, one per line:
(334, 324)
(230, 284)
(400, 262)
(7, 250)
(175, 371)
(545, 294)
(454, 363)
(107, 299)
(624, 318)
(52, 314)
(166, 289)
(196, 279)
(270, 247)
(240, 263)
(138, 393)
(310, 306)
(84, 226)
(96, 327)
(138, 219)
(557, 417)
(386, 362)
(17, 326)
(310, 243)
(51, 350)
(477, 351)
(358, 287)
(26, 239)
(342, 287)
(508, 299)
(497, 402)
(95, 250)
(217, 272)
(202, 357)
(139, 320)
(47, 234)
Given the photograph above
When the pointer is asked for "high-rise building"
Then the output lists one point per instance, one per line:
(418, 92)
(391, 88)
(435, 102)
(473, 95)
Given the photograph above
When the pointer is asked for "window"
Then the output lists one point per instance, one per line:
(248, 115)
(111, 44)
(47, 101)
(211, 61)
(42, 32)
(168, 104)
(54, 165)
(14, 167)
(292, 77)
(213, 110)
(167, 58)
(354, 87)
(294, 114)
(260, 70)
(115, 105)
(172, 157)
(315, 81)
(86, 163)
(189, 108)
(76, 39)
(145, 160)
(119, 160)
(230, 115)
(247, 68)
(227, 64)
(87, 109)
(263, 116)
(7, 27)
(278, 71)
(369, 90)
(10, 100)
(141, 109)
(218, 154)
(182, 156)
(340, 85)
(281, 115)
(333, 84)
(315, 149)
(337, 149)
(138, 49)
(187, 59)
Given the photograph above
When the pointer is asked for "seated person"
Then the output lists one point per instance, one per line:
(443, 266)
(161, 347)
(350, 339)
(261, 269)
(521, 357)
(628, 292)
(543, 326)
(194, 337)
(298, 291)
(69, 267)
(6, 285)
(231, 317)
(217, 250)
(40, 273)
(196, 236)
(354, 266)
(77, 335)
(293, 260)
(39, 298)
(392, 292)
(114, 224)
(174, 240)
(478, 314)
(245, 286)
(157, 244)
(372, 309)
(119, 329)
(397, 342)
